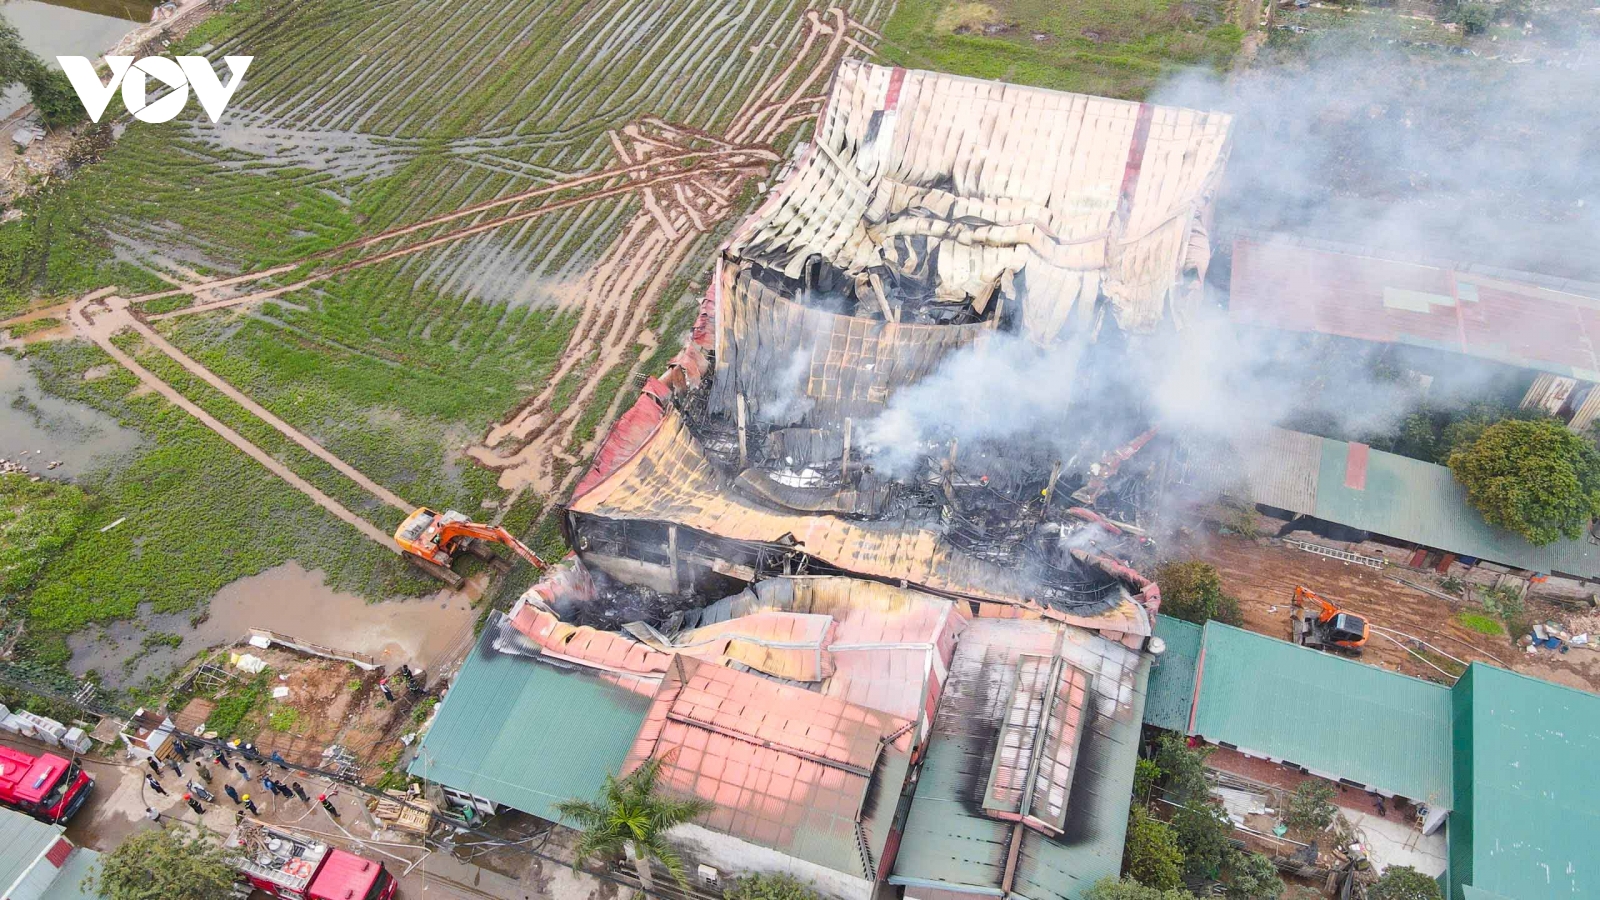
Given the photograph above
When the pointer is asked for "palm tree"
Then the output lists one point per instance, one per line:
(630, 819)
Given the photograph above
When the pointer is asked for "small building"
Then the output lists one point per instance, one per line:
(148, 734)
(37, 862)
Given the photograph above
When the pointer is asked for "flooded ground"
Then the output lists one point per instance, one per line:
(69, 28)
(290, 600)
(37, 428)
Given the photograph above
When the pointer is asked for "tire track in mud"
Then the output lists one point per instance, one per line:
(116, 315)
(624, 285)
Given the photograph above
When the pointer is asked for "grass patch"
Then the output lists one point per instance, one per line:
(283, 719)
(232, 709)
(33, 326)
(1113, 48)
(1480, 623)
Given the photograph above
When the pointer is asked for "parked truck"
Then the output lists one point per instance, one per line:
(48, 787)
(286, 864)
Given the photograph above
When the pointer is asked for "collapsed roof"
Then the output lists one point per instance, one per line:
(997, 193)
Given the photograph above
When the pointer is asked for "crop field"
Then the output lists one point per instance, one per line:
(418, 262)
(1112, 48)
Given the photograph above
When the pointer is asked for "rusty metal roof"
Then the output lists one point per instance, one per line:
(1085, 195)
(1510, 318)
(783, 767)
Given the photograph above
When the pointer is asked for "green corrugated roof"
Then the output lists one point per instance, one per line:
(1529, 748)
(526, 734)
(22, 839)
(69, 882)
(1171, 694)
(1421, 502)
(1334, 716)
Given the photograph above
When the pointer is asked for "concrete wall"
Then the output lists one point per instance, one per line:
(732, 857)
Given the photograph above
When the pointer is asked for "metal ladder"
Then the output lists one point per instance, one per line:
(1345, 555)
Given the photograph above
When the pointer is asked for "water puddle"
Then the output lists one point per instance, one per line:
(290, 600)
(69, 28)
(37, 428)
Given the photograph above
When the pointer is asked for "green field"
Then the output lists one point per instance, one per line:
(1113, 48)
(356, 118)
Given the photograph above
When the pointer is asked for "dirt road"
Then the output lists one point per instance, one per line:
(1263, 575)
(112, 317)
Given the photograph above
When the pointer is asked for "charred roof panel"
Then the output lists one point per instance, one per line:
(669, 479)
(951, 841)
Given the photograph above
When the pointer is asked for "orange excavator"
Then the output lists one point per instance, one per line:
(431, 541)
(1318, 623)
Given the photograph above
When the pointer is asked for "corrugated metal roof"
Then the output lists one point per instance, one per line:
(1081, 195)
(1337, 717)
(670, 479)
(1171, 696)
(1421, 502)
(22, 839)
(526, 734)
(783, 767)
(1506, 318)
(69, 881)
(1384, 493)
(1274, 466)
(949, 842)
(1526, 752)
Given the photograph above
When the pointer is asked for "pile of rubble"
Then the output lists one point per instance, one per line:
(1579, 631)
(9, 467)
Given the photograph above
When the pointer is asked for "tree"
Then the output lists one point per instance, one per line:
(1204, 836)
(1145, 775)
(1535, 478)
(1253, 876)
(631, 820)
(769, 886)
(1151, 853)
(165, 863)
(1308, 807)
(49, 89)
(1192, 591)
(1475, 18)
(1404, 883)
(1128, 889)
(1184, 769)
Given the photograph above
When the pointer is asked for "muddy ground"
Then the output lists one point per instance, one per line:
(1263, 574)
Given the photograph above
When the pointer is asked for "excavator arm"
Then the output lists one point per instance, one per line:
(450, 532)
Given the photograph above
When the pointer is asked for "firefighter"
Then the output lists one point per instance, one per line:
(194, 804)
(383, 685)
(250, 805)
(327, 805)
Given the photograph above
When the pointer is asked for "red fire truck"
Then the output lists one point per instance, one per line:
(46, 786)
(285, 864)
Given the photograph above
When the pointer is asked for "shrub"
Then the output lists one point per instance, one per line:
(1404, 883)
(769, 886)
(1151, 855)
(1192, 591)
(1184, 769)
(1204, 836)
(1252, 876)
(1309, 808)
(1145, 775)
(1128, 889)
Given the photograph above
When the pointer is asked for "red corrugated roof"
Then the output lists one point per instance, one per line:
(58, 852)
(1278, 284)
(1355, 467)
